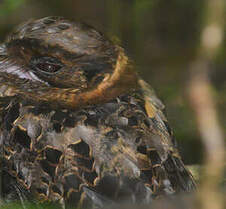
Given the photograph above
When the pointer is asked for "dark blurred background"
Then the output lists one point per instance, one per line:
(160, 36)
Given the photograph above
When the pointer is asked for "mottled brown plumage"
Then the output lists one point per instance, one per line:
(78, 126)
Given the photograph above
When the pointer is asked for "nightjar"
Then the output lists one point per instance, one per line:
(78, 126)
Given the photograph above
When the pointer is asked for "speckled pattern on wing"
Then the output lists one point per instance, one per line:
(112, 144)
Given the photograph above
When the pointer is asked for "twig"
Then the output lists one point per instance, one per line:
(202, 102)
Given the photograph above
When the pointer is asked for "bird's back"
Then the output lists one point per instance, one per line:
(100, 154)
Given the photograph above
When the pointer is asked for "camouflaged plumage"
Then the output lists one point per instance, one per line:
(77, 125)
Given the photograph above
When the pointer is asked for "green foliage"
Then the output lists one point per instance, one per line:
(8, 6)
(143, 5)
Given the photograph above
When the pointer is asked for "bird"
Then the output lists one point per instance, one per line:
(78, 126)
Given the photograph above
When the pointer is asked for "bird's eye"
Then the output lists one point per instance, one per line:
(46, 65)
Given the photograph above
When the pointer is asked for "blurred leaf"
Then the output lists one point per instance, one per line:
(8, 6)
(141, 5)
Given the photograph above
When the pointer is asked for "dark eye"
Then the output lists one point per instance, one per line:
(46, 65)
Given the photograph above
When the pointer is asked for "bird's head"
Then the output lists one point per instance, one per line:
(63, 63)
